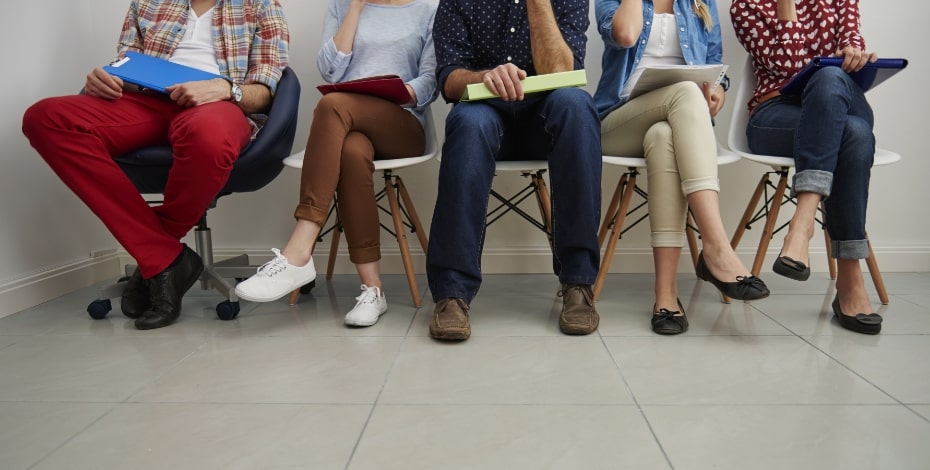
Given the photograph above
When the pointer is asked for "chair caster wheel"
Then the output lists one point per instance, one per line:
(99, 309)
(227, 310)
(306, 288)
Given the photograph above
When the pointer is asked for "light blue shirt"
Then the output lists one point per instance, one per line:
(698, 46)
(390, 40)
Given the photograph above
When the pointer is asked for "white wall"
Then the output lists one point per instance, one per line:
(48, 234)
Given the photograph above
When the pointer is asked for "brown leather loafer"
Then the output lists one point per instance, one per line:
(579, 315)
(450, 320)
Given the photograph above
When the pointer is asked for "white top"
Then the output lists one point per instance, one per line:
(663, 46)
(196, 47)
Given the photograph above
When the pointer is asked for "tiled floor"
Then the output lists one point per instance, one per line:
(773, 384)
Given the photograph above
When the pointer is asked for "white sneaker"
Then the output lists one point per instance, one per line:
(275, 279)
(371, 305)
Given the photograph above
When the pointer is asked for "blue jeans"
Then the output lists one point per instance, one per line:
(562, 127)
(828, 131)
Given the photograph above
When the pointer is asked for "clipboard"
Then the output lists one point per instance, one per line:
(868, 77)
(153, 73)
(389, 87)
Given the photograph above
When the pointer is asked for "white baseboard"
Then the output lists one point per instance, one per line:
(36, 288)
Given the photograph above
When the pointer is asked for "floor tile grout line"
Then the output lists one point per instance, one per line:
(636, 403)
(387, 377)
(113, 407)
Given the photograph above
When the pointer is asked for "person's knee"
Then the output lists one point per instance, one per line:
(358, 153)
(330, 104)
(659, 133)
(858, 145)
(474, 119)
(570, 104)
(40, 115)
(829, 83)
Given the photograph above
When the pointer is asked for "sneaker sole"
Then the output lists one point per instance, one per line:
(361, 323)
(251, 298)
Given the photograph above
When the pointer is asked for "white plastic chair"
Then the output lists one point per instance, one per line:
(781, 166)
(619, 210)
(534, 170)
(400, 208)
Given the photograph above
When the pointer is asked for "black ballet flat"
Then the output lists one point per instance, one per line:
(865, 323)
(669, 322)
(791, 268)
(745, 287)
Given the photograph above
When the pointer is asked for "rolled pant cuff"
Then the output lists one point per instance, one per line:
(850, 249)
(667, 239)
(812, 181)
(700, 184)
(313, 214)
(365, 254)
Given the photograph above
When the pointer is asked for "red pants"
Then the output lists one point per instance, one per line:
(79, 136)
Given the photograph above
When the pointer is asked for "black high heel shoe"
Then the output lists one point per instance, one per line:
(745, 287)
(865, 323)
(669, 322)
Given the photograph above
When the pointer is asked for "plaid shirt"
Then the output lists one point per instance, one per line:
(249, 36)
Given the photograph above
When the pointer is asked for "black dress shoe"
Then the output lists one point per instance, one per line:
(168, 287)
(791, 268)
(669, 322)
(745, 287)
(135, 300)
(865, 323)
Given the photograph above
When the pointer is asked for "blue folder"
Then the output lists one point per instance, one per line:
(868, 77)
(154, 73)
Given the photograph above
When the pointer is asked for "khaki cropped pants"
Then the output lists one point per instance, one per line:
(671, 127)
(347, 131)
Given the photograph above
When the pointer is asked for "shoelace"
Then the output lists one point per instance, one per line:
(275, 266)
(585, 292)
(369, 295)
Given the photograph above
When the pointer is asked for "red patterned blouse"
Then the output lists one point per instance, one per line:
(780, 48)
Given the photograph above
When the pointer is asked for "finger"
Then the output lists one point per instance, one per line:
(873, 57)
(488, 80)
(512, 80)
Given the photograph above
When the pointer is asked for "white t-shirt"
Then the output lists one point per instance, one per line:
(196, 47)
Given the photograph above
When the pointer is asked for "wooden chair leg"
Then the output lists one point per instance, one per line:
(411, 213)
(615, 232)
(831, 262)
(611, 213)
(876, 275)
(545, 204)
(750, 209)
(292, 298)
(770, 221)
(402, 241)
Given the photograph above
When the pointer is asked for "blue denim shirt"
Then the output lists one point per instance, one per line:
(698, 46)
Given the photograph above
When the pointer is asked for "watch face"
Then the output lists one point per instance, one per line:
(236, 93)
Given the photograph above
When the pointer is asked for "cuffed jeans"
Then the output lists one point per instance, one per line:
(562, 127)
(828, 132)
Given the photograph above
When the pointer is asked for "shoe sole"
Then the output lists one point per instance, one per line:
(360, 323)
(272, 299)
(451, 335)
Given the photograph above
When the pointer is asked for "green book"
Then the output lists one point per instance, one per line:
(534, 84)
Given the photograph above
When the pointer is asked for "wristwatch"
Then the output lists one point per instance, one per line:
(235, 93)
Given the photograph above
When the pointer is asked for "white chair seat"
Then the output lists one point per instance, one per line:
(297, 161)
(522, 165)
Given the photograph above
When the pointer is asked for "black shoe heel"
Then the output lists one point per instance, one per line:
(745, 287)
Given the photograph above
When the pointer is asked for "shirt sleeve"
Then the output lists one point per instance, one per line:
(848, 26)
(268, 52)
(424, 85)
(714, 38)
(573, 23)
(331, 62)
(604, 11)
(777, 45)
(451, 42)
(129, 38)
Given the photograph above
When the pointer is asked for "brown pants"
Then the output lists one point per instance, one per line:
(347, 132)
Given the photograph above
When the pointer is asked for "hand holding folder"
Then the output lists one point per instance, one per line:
(533, 84)
(153, 73)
